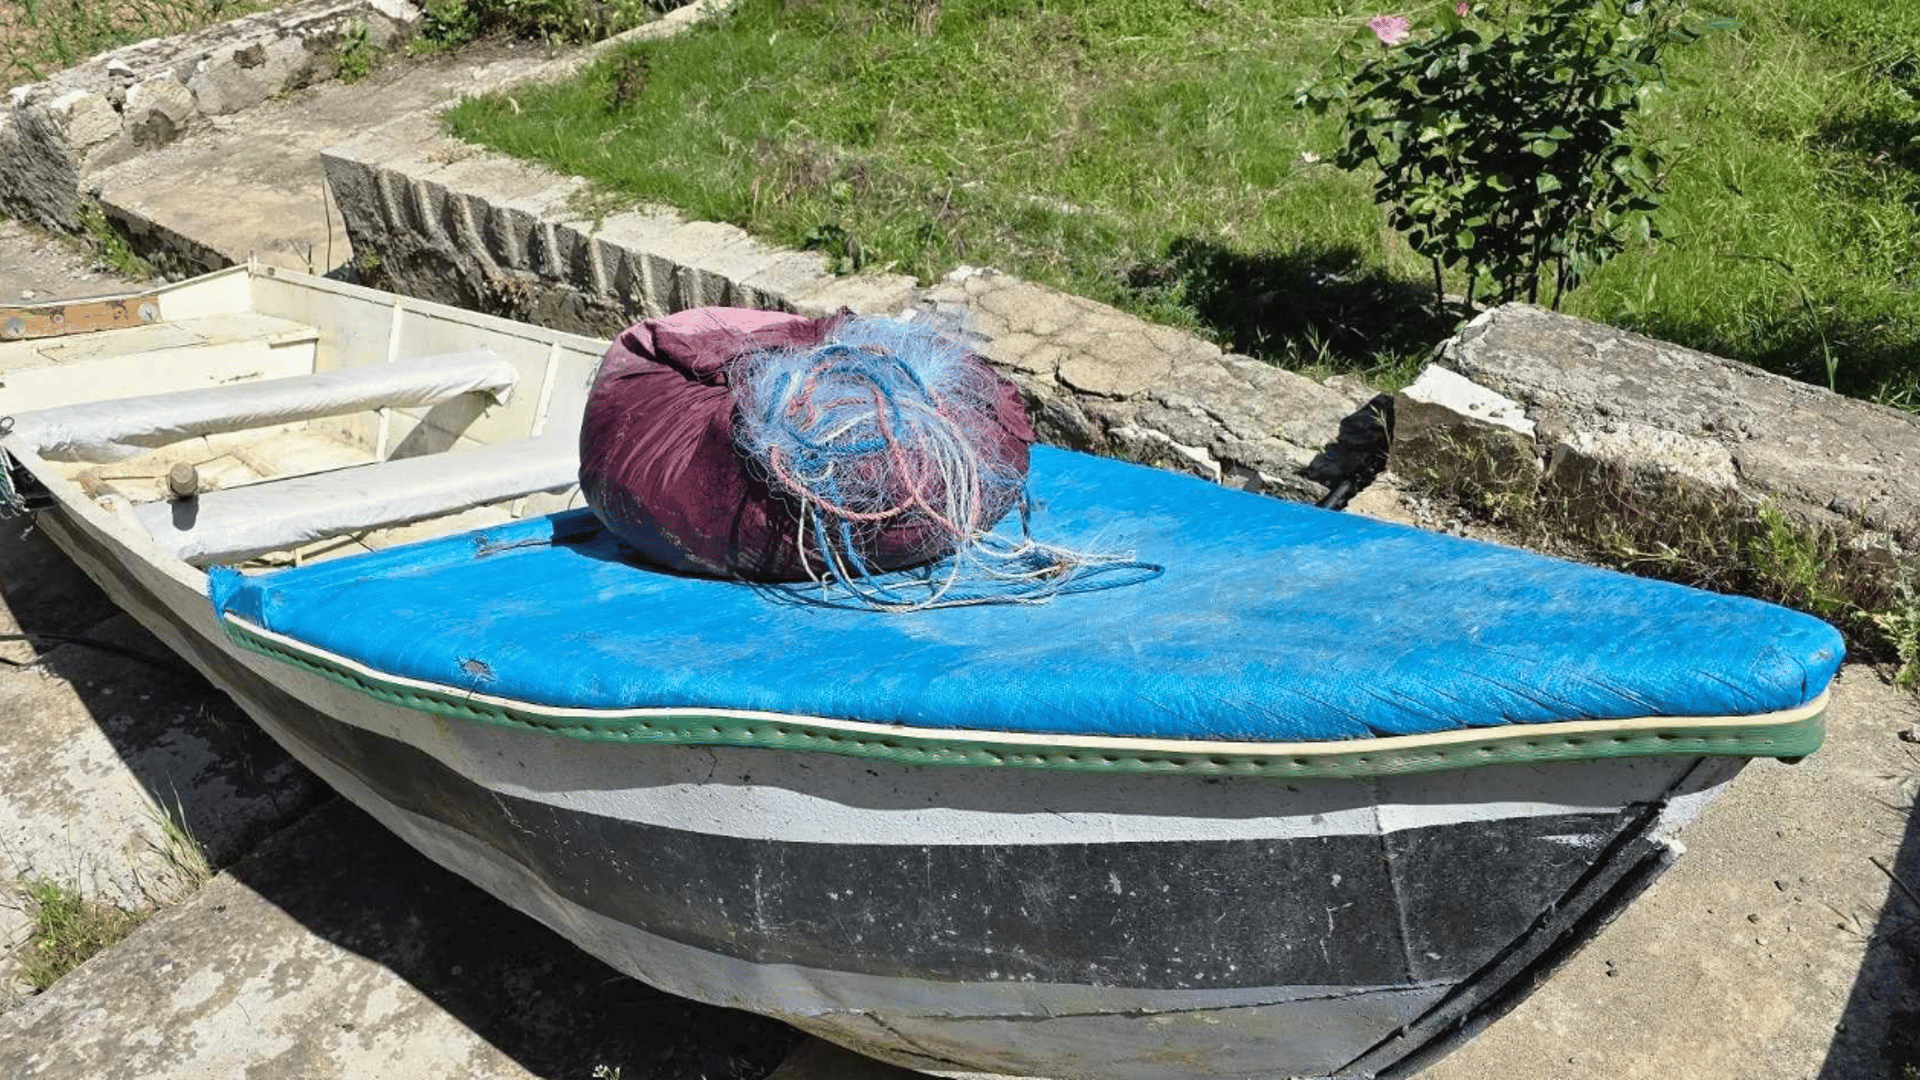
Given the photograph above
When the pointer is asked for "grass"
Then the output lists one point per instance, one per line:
(186, 860)
(109, 246)
(40, 37)
(1144, 153)
(68, 929)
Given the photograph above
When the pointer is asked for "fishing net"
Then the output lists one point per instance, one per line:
(884, 437)
(872, 458)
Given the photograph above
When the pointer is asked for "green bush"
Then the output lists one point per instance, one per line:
(1506, 143)
(453, 22)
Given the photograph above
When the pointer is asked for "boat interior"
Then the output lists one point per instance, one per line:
(266, 418)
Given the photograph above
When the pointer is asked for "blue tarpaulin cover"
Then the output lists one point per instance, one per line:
(1274, 621)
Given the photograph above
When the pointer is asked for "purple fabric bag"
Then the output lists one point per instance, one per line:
(659, 466)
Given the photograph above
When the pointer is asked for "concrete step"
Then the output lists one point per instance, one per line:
(336, 951)
(257, 185)
(100, 751)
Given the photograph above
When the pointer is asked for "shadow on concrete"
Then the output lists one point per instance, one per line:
(1316, 305)
(1879, 1033)
(528, 992)
(194, 752)
(524, 990)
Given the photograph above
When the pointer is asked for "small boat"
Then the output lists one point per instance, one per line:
(1322, 800)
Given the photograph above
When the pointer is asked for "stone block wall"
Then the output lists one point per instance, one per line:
(55, 134)
(1605, 423)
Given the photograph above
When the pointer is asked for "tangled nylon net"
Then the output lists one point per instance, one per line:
(889, 430)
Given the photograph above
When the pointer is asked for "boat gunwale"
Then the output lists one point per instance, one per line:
(1787, 733)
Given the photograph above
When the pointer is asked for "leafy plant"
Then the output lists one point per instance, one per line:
(356, 53)
(1509, 148)
(446, 24)
(1901, 625)
(451, 23)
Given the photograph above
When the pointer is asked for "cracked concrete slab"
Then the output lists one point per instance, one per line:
(102, 749)
(36, 267)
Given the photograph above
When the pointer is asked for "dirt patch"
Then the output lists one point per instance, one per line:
(36, 267)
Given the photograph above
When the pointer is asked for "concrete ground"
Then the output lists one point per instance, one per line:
(1781, 947)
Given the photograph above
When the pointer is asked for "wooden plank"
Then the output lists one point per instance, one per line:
(78, 316)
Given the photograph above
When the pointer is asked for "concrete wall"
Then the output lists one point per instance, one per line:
(1597, 426)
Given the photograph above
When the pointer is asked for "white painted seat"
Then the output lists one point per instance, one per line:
(279, 515)
(120, 428)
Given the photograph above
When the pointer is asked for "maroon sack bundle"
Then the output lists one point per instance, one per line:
(660, 467)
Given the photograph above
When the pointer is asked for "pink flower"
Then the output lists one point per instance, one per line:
(1390, 29)
(1462, 8)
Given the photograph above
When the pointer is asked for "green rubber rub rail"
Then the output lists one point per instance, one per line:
(1791, 734)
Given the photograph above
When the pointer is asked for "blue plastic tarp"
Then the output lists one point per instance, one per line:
(1273, 621)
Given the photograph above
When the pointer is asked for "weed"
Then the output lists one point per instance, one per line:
(447, 24)
(1792, 567)
(1658, 525)
(110, 246)
(182, 852)
(630, 78)
(357, 53)
(367, 269)
(1901, 625)
(451, 23)
(67, 930)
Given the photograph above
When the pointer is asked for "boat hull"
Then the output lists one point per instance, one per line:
(990, 922)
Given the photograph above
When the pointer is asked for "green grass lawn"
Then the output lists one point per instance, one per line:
(1146, 153)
